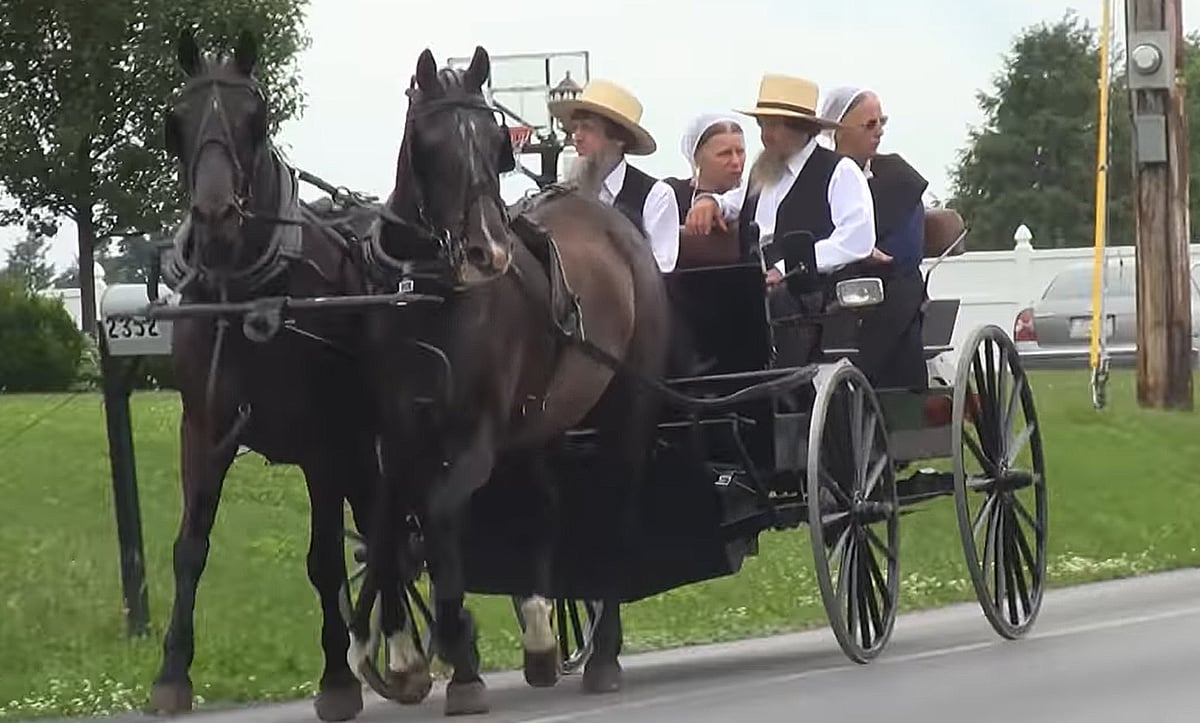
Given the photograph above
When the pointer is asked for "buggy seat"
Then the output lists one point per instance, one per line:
(722, 298)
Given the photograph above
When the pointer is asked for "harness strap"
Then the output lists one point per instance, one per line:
(758, 391)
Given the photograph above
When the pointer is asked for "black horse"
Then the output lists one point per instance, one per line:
(494, 373)
(289, 391)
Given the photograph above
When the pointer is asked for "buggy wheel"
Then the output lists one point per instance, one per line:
(575, 632)
(415, 606)
(853, 512)
(1000, 482)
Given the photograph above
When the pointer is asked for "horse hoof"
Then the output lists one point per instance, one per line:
(599, 679)
(466, 698)
(541, 669)
(340, 702)
(170, 698)
(409, 687)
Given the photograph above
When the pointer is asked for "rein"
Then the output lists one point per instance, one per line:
(675, 397)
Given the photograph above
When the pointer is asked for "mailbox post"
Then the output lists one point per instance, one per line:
(124, 340)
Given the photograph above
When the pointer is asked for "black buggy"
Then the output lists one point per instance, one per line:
(763, 447)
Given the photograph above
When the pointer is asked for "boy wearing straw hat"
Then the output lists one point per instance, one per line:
(605, 123)
(794, 185)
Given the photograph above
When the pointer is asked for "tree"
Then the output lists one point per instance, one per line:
(83, 90)
(1033, 161)
(26, 264)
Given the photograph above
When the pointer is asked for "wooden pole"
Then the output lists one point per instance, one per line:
(1164, 315)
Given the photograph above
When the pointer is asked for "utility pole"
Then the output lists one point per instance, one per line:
(1154, 35)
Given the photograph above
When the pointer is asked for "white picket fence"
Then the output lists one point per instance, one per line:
(994, 286)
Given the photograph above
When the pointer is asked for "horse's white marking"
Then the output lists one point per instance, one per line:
(496, 248)
(360, 650)
(539, 633)
(468, 130)
(402, 652)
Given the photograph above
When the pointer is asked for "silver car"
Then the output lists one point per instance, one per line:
(1057, 327)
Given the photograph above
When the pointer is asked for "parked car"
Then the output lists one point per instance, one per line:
(1057, 327)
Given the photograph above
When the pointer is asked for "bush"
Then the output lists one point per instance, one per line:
(40, 346)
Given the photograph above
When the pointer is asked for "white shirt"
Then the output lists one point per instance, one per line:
(660, 216)
(850, 205)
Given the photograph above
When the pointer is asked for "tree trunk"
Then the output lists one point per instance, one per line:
(87, 276)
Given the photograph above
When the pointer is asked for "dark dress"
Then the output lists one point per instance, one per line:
(686, 358)
(891, 348)
(683, 189)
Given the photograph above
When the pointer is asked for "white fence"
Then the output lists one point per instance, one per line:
(995, 285)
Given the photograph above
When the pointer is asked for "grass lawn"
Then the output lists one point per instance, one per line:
(1124, 499)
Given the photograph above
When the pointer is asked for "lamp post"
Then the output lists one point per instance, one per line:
(550, 146)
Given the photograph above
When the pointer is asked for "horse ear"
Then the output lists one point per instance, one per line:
(426, 71)
(188, 52)
(245, 56)
(480, 70)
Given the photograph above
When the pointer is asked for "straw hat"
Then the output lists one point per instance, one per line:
(607, 99)
(789, 96)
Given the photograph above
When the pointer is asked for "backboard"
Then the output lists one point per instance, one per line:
(520, 82)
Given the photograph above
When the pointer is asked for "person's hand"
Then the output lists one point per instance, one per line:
(774, 277)
(878, 257)
(702, 216)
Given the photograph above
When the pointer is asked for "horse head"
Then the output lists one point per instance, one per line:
(216, 128)
(446, 218)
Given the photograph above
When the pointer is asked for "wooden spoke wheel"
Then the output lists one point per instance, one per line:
(575, 625)
(1000, 482)
(415, 606)
(853, 512)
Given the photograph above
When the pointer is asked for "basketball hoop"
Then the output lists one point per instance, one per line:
(519, 136)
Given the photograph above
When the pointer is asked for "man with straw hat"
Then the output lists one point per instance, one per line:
(795, 185)
(605, 123)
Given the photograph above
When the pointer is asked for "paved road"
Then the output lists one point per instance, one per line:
(1118, 651)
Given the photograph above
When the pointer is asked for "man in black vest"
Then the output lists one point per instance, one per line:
(795, 185)
(605, 123)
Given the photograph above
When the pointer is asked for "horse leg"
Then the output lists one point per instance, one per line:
(626, 428)
(203, 474)
(539, 641)
(340, 693)
(456, 632)
(408, 677)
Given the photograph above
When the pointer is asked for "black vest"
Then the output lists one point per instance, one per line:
(896, 190)
(683, 195)
(804, 208)
(632, 198)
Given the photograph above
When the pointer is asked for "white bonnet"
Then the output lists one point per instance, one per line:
(696, 129)
(834, 106)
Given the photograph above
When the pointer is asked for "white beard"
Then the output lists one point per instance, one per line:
(588, 173)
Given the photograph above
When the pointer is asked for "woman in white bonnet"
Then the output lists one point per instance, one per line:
(714, 147)
(891, 348)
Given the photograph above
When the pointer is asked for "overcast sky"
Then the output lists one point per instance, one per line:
(926, 58)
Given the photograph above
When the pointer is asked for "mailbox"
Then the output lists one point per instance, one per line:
(126, 330)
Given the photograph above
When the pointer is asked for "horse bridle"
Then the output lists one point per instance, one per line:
(447, 254)
(268, 264)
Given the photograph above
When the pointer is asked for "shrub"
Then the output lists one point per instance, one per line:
(40, 346)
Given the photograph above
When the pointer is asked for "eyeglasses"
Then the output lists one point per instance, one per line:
(874, 123)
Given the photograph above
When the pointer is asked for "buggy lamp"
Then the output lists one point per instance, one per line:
(854, 293)
(126, 328)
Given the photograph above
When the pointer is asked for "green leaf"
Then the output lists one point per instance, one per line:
(84, 87)
(1033, 160)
